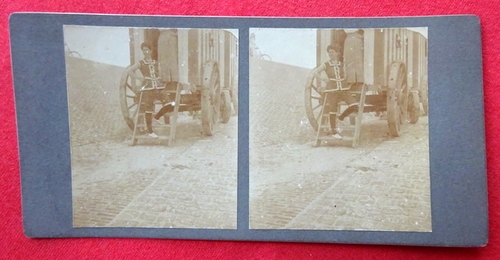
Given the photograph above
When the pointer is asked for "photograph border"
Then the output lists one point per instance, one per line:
(459, 205)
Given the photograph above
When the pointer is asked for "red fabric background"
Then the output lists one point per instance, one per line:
(14, 245)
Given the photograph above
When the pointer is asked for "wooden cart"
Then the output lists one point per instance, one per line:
(394, 73)
(199, 68)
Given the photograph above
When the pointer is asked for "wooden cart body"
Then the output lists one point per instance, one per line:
(394, 74)
(381, 48)
(182, 53)
(199, 68)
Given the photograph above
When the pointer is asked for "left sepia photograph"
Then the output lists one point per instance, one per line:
(153, 116)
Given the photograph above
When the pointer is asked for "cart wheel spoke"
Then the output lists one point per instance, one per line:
(131, 106)
(315, 88)
(313, 100)
(128, 100)
(316, 107)
(131, 88)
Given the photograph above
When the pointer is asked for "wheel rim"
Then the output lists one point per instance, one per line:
(234, 94)
(424, 100)
(129, 99)
(234, 99)
(313, 101)
(211, 98)
(403, 103)
(397, 98)
(393, 115)
(413, 108)
(225, 107)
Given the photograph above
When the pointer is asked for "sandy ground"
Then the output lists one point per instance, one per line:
(190, 184)
(384, 184)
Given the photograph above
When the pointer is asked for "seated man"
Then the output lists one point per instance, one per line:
(337, 88)
(152, 87)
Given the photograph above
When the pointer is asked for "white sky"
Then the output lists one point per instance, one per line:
(290, 46)
(102, 44)
(108, 45)
(295, 47)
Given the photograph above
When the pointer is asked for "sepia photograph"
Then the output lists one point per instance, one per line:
(338, 134)
(153, 116)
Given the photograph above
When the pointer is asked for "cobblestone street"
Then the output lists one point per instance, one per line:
(189, 185)
(383, 184)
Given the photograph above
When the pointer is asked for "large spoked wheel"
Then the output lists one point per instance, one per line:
(210, 97)
(129, 99)
(234, 99)
(425, 102)
(413, 107)
(225, 109)
(234, 96)
(313, 100)
(397, 98)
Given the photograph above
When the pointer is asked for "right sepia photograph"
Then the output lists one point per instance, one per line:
(339, 135)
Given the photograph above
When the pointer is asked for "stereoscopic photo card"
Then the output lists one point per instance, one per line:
(332, 130)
